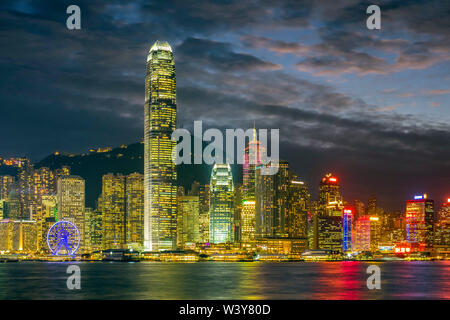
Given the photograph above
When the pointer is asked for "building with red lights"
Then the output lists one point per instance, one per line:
(361, 234)
(330, 199)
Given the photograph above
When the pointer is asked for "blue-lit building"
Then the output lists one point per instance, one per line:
(347, 222)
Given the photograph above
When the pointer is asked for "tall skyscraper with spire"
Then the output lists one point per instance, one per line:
(252, 161)
(160, 176)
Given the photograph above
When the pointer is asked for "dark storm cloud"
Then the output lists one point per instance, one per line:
(219, 55)
(68, 91)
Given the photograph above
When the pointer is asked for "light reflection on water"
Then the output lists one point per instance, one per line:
(240, 280)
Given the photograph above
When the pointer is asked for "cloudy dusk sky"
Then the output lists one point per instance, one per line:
(371, 106)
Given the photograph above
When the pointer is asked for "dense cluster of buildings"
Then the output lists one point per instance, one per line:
(268, 215)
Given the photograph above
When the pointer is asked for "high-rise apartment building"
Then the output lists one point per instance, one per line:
(122, 207)
(71, 202)
(6, 184)
(134, 212)
(112, 206)
(93, 223)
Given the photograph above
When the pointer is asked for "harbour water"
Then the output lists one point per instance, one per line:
(230, 280)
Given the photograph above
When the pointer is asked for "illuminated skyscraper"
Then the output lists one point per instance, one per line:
(202, 191)
(160, 176)
(134, 200)
(327, 222)
(122, 204)
(252, 160)
(237, 212)
(366, 234)
(375, 232)
(188, 230)
(221, 204)
(25, 190)
(328, 232)
(112, 207)
(93, 237)
(281, 203)
(299, 203)
(265, 204)
(248, 227)
(283, 200)
(361, 234)
(442, 230)
(330, 199)
(2, 208)
(347, 224)
(71, 202)
(251, 163)
(420, 222)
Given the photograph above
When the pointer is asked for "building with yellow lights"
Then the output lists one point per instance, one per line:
(221, 206)
(160, 176)
(71, 202)
(188, 229)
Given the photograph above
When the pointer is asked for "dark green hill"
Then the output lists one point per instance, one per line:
(126, 159)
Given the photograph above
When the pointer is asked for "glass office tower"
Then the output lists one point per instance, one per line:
(160, 176)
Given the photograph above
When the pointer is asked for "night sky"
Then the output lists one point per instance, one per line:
(371, 106)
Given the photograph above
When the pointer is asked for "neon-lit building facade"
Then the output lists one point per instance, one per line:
(347, 223)
(160, 176)
(221, 204)
(361, 234)
(420, 222)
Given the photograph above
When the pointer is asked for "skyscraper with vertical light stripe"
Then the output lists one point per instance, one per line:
(160, 177)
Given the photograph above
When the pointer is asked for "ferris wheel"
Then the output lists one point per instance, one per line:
(63, 238)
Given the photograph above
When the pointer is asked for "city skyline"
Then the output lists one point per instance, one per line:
(215, 158)
(350, 99)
